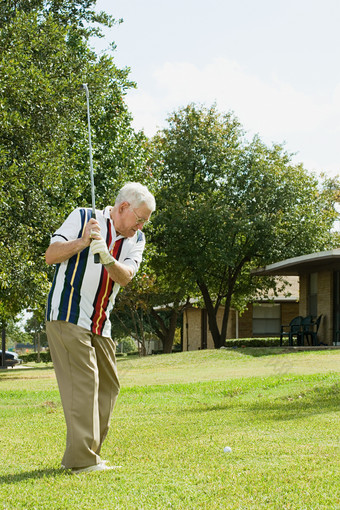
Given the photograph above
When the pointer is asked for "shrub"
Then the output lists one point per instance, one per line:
(255, 342)
(126, 345)
(45, 357)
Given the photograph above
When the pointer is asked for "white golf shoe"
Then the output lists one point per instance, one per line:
(102, 466)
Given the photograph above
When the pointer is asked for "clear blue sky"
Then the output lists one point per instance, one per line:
(275, 63)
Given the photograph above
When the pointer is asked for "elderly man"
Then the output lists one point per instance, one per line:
(78, 315)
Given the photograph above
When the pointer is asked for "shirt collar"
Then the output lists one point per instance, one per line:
(106, 214)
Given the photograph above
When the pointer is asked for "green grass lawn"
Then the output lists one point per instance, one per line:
(278, 411)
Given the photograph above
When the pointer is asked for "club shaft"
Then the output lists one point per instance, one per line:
(90, 150)
(96, 256)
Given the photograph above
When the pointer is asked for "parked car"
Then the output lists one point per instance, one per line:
(11, 358)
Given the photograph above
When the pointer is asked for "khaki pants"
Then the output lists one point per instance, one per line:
(86, 371)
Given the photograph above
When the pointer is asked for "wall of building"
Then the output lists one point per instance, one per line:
(245, 323)
(192, 324)
(324, 303)
(191, 329)
(303, 308)
(289, 311)
(325, 306)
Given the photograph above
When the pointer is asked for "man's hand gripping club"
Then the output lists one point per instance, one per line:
(99, 246)
(119, 272)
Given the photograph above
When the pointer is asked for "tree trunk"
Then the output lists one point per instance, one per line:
(168, 341)
(3, 346)
(231, 285)
(213, 326)
(142, 350)
(166, 334)
(225, 319)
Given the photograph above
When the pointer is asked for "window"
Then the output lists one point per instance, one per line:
(313, 294)
(336, 307)
(266, 319)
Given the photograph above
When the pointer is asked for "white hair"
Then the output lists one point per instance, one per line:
(136, 194)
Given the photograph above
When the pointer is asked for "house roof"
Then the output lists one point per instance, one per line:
(303, 264)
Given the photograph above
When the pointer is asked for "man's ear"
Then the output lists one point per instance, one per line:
(123, 206)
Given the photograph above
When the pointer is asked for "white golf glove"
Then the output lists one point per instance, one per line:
(99, 246)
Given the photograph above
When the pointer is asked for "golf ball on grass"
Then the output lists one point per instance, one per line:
(227, 449)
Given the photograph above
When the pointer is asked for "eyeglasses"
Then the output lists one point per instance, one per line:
(139, 220)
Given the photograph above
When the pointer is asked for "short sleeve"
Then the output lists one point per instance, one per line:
(135, 255)
(69, 230)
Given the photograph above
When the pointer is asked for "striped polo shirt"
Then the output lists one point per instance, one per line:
(82, 292)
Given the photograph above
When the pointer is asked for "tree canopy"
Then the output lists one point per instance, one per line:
(224, 205)
(45, 57)
(229, 206)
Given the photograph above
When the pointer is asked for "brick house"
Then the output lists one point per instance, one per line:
(319, 275)
(262, 318)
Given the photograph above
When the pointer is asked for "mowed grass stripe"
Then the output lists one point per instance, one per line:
(283, 429)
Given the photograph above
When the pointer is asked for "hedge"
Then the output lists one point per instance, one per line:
(45, 357)
(255, 342)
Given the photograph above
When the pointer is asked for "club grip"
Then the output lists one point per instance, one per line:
(96, 255)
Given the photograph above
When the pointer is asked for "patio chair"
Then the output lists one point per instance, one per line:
(291, 330)
(313, 332)
(307, 325)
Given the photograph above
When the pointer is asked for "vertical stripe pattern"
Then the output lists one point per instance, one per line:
(70, 296)
(103, 294)
(50, 294)
(82, 292)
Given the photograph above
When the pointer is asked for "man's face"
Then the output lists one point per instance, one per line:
(130, 219)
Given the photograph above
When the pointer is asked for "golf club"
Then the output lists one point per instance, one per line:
(93, 215)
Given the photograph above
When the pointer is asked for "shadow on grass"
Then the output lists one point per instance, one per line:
(291, 407)
(258, 352)
(31, 367)
(25, 373)
(32, 475)
(125, 360)
(295, 405)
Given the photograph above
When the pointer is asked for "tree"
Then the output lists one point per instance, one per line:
(16, 334)
(153, 302)
(166, 298)
(128, 318)
(229, 206)
(45, 57)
